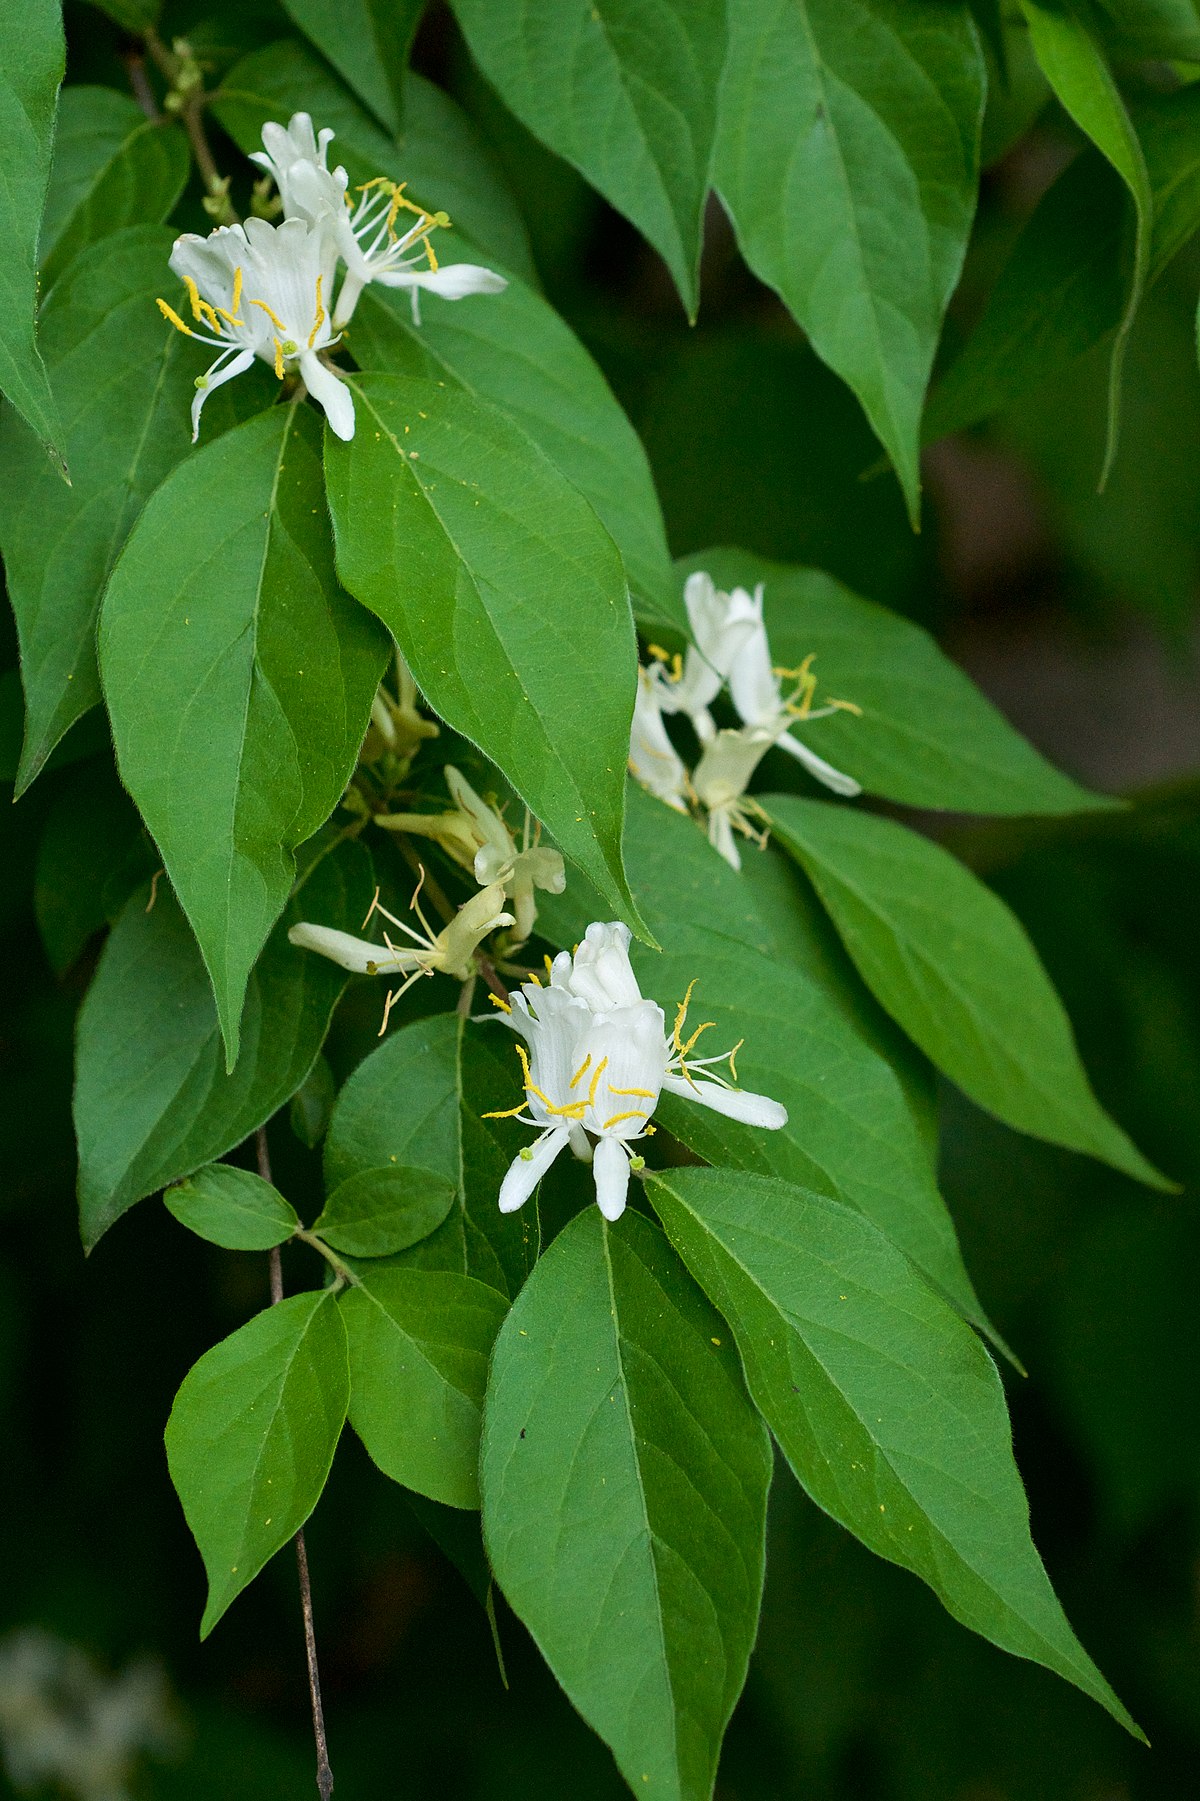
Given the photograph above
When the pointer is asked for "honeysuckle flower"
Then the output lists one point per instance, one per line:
(755, 685)
(365, 229)
(449, 951)
(475, 835)
(720, 781)
(595, 1057)
(721, 625)
(260, 290)
(653, 759)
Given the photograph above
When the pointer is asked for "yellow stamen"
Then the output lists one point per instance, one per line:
(596, 1075)
(433, 262)
(733, 1053)
(646, 1094)
(319, 318)
(681, 1015)
(549, 966)
(535, 978)
(504, 1008)
(658, 653)
(201, 311)
(573, 1109)
(278, 360)
(172, 317)
(618, 1117)
(276, 321)
(691, 1041)
(845, 706)
(237, 288)
(505, 1112)
(582, 1070)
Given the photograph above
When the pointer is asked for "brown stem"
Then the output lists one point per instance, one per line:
(191, 114)
(139, 81)
(324, 1773)
(487, 970)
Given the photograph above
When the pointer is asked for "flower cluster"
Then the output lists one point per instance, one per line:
(596, 1056)
(729, 648)
(266, 291)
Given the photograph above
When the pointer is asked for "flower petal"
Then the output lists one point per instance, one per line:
(526, 1170)
(734, 1103)
(454, 281)
(329, 392)
(818, 767)
(356, 954)
(216, 378)
(610, 1166)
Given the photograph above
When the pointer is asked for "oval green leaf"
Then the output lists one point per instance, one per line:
(233, 1208)
(32, 56)
(380, 1211)
(624, 1476)
(252, 1435)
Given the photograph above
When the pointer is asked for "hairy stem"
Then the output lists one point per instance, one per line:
(324, 1773)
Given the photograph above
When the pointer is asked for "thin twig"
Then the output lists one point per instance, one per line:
(487, 970)
(324, 1773)
(191, 114)
(139, 82)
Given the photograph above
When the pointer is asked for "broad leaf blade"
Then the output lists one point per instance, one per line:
(419, 1346)
(624, 1479)
(514, 350)
(854, 1131)
(381, 1211)
(252, 1435)
(950, 962)
(926, 735)
(112, 167)
(367, 41)
(239, 680)
(884, 1402)
(624, 91)
(506, 596)
(848, 158)
(233, 1208)
(32, 55)
(152, 1099)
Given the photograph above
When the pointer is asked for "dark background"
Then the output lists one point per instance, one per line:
(1077, 614)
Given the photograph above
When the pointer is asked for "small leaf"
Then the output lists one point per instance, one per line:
(926, 736)
(152, 1099)
(848, 158)
(94, 852)
(419, 1346)
(233, 1208)
(239, 680)
(884, 1402)
(624, 91)
(312, 1104)
(32, 55)
(367, 41)
(252, 1435)
(949, 961)
(624, 1477)
(380, 1211)
(1076, 69)
(112, 167)
(475, 551)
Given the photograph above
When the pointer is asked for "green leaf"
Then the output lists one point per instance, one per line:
(380, 1211)
(848, 159)
(367, 41)
(126, 381)
(927, 736)
(415, 1103)
(152, 1100)
(1076, 69)
(32, 56)
(949, 961)
(624, 91)
(312, 1104)
(419, 1346)
(514, 350)
(1062, 289)
(854, 1131)
(885, 1404)
(440, 154)
(93, 853)
(1146, 28)
(475, 552)
(624, 1479)
(233, 1208)
(239, 680)
(134, 15)
(112, 167)
(252, 1435)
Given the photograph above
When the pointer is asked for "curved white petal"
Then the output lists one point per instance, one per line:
(356, 954)
(733, 1103)
(216, 378)
(329, 392)
(720, 836)
(526, 1171)
(601, 973)
(818, 767)
(610, 1167)
(453, 281)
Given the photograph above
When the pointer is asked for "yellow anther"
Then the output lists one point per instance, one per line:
(681, 1015)
(618, 1117)
(658, 653)
(278, 360)
(535, 978)
(318, 318)
(236, 299)
(582, 1070)
(276, 321)
(505, 1112)
(596, 1075)
(172, 317)
(201, 311)
(733, 1053)
(504, 1008)
(708, 1024)
(645, 1094)
(433, 262)
(549, 965)
(846, 706)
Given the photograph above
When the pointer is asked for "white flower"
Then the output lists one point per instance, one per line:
(596, 1056)
(476, 837)
(721, 778)
(721, 625)
(653, 759)
(365, 230)
(449, 951)
(263, 290)
(758, 697)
